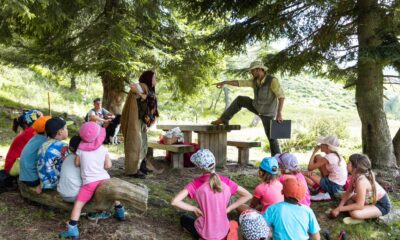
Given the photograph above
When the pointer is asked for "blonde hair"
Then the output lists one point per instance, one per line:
(268, 177)
(215, 182)
(362, 166)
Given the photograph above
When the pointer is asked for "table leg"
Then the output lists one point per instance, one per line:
(187, 135)
(216, 143)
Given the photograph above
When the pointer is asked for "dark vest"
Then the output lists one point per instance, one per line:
(265, 101)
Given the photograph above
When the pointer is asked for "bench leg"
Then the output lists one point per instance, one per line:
(149, 154)
(243, 158)
(177, 160)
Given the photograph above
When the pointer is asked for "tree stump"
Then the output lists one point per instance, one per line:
(130, 195)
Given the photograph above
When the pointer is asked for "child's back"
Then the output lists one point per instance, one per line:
(269, 193)
(92, 165)
(70, 179)
(214, 223)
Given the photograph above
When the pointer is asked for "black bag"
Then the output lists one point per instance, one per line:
(6, 181)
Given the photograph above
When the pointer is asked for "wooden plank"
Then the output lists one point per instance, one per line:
(179, 148)
(199, 128)
(243, 144)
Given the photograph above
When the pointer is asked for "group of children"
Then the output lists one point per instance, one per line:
(279, 208)
(47, 163)
(280, 205)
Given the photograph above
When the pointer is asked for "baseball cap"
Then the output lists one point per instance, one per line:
(53, 125)
(270, 165)
(288, 161)
(331, 141)
(292, 188)
(40, 123)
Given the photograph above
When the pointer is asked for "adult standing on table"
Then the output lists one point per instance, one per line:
(99, 114)
(267, 103)
(139, 113)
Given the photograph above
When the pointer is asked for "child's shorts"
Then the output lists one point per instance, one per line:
(384, 205)
(329, 186)
(87, 191)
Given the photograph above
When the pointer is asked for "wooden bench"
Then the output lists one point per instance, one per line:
(177, 151)
(243, 148)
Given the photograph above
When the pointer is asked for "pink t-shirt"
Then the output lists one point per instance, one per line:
(337, 172)
(92, 165)
(269, 194)
(300, 177)
(214, 224)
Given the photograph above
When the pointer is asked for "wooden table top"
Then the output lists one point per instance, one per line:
(199, 127)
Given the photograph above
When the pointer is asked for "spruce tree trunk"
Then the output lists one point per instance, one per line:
(376, 140)
(113, 92)
(396, 146)
(73, 83)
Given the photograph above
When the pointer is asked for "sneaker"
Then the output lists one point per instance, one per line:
(99, 215)
(120, 213)
(342, 235)
(72, 232)
(350, 220)
(321, 197)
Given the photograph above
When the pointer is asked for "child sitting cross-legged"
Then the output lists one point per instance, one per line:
(290, 219)
(212, 193)
(253, 226)
(364, 198)
(290, 169)
(93, 158)
(269, 191)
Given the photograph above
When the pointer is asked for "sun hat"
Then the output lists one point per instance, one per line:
(53, 125)
(257, 64)
(204, 159)
(252, 225)
(92, 136)
(270, 165)
(292, 188)
(288, 161)
(40, 124)
(29, 117)
(331, 141)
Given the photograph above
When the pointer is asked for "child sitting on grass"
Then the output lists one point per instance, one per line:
(269, 191)
(364, 198)
(212, 193)
(290, 169)
(290, 219)
(93, 159)
(331, 166)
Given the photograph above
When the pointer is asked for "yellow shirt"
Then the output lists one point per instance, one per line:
(275, 86)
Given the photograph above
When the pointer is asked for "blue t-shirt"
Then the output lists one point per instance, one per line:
(29, 157)
(51, 155)
(291, 221)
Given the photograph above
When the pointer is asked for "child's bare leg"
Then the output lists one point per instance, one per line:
(369, 211)
(324, 172)
(76, 211)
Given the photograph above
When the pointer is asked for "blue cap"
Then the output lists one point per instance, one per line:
(268, 164)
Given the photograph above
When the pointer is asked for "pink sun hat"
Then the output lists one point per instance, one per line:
(92, 135)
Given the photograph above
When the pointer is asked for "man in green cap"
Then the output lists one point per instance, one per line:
(267, 103)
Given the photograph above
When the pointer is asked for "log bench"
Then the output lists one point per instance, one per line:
(243, 148)
(177, 151)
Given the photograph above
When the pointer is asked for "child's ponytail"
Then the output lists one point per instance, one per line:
(215, 183)
(370, 176)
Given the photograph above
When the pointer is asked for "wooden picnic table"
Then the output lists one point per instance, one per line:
(210, 136)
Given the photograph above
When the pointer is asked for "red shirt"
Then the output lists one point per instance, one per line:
(16, 147)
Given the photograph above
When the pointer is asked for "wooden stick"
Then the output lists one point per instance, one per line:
(48, 101)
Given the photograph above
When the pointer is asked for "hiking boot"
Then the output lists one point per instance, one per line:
(72, 232)
(321, 197)
(120, 213)
(99, 215)
(143, 168)
(219, 121)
